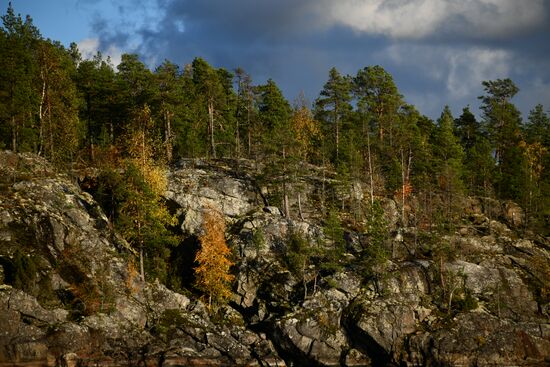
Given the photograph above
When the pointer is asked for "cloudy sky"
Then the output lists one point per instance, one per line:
(438, 51)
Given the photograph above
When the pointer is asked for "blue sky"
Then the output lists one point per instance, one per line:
(439, 51)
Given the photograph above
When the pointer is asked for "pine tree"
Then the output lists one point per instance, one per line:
(333, 107)
(246, 113)
(134, 89)
(168, 93)
(211, 89)
(377, 93)
(502, 121)
(408, 147)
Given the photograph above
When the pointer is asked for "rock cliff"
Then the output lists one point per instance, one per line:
(70, 293)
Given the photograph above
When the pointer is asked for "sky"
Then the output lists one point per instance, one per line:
(438, 51)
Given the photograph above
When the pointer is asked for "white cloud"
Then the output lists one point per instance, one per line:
(89, 47)
(415, 19)
(460, 69)
(468, 68)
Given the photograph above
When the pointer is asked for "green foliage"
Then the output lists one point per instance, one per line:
(214, 94)
(465, 301)
(467, 129)
(502, 122)
(167, 324)
(450, 292)
(333, 108)
(448, 156)
(60, 131)
(378, 98)
(131, 121)
(537, 128)
(298, 253)
(143, 221)
(258, 239)
(278, 141)
(19, 93)
(333, 256)
(375, 253)
(99, 103)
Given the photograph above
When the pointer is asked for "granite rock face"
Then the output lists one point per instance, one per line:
(192, 188)
(70, 294)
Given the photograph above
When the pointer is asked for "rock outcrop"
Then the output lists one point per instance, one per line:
(70, 293)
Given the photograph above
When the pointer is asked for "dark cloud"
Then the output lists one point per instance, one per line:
(441, 61)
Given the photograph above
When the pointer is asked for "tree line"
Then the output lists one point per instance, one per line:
(86, 112)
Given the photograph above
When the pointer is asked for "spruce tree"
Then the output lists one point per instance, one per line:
(278, 139)
(59, 125)
(478, 162)
(19, 72)
(449, 156)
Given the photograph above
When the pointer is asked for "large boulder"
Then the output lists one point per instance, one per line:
(192, 189)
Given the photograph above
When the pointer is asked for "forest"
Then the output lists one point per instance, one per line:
(131, 123)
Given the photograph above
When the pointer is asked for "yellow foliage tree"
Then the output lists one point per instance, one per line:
(212, 273)
(305, 128)
(142, 219)
(140, 146)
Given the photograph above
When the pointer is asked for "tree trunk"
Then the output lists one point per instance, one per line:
(380, 126)
(370, 171)
(402, 188)
(41, 115)
(323, 193)
(211, 127)
(337, 132)
(50, 130)
(300, 206)
(248, 107)
(141, 265)
(168, 135)
(13, 135)
(285, 191)
(237, 140)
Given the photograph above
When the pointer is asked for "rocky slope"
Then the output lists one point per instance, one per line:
(70, 293)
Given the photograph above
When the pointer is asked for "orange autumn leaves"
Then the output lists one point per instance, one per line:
(212, 273)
